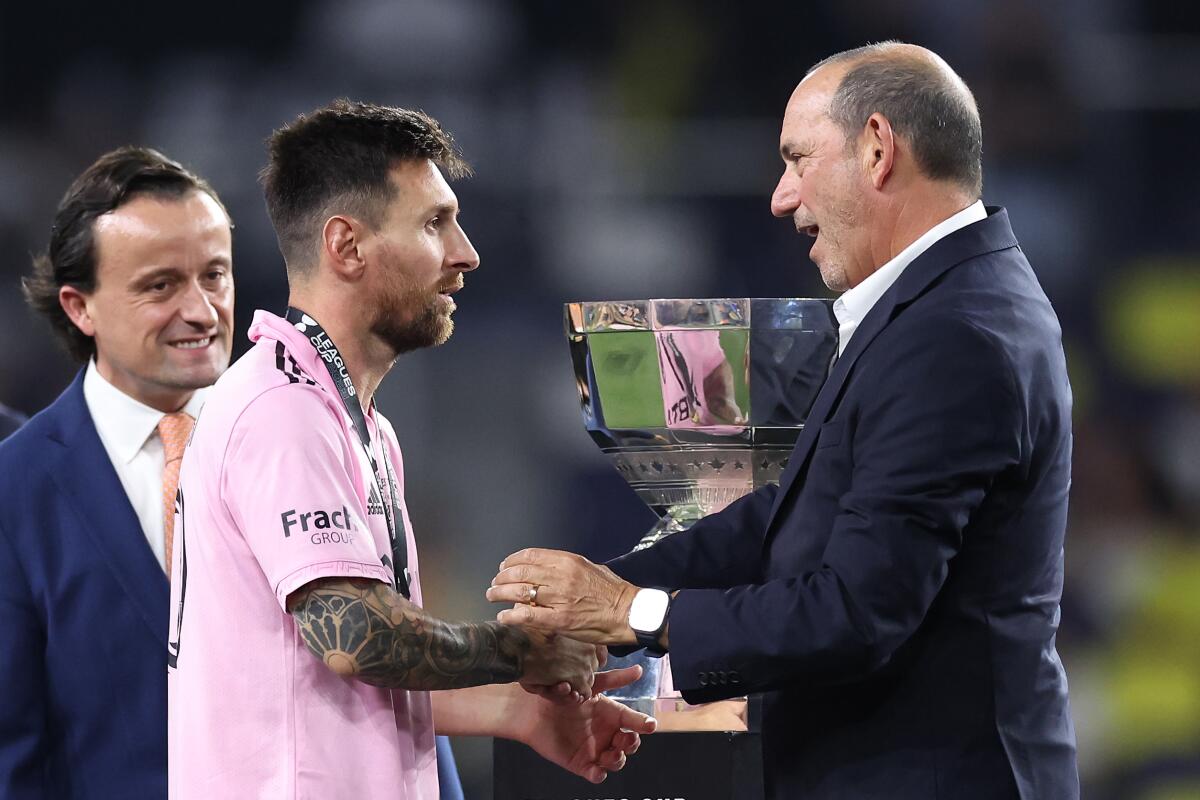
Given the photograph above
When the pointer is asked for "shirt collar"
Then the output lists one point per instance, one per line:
(854, 304)
(276, 328)
(123, 422)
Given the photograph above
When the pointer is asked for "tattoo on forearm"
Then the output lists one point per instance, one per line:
(367, 630)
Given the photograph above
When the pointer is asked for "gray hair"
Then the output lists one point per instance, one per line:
(922, 98)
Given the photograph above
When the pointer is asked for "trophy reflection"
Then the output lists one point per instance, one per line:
(696, 402)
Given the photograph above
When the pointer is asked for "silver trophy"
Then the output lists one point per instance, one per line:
(697, 402)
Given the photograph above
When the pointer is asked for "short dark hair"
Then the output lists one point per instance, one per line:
(923, 102)
(341, 154)
(116, 178)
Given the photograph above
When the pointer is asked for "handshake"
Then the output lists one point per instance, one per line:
(581, 607)
(568, 720)
(573, 609)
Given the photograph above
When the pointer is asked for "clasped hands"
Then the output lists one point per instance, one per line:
(584, 606)
(563, 592)
(552, 590)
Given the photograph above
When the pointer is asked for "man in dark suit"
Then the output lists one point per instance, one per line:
(896, 597)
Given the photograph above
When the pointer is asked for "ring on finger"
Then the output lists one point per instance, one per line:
(533, 591)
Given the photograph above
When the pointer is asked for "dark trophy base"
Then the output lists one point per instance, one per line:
(692, 765)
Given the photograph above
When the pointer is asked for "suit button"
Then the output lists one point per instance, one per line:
(735, 677)
(704, 679)
(722, 678)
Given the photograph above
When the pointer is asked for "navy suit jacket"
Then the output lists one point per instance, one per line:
(83, 620)
(896, 597)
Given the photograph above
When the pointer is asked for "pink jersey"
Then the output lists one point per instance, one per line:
(276, 491)
(685, 359)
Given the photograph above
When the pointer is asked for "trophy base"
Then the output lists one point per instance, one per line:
(654, 693)
(643, 694)
(678, 518)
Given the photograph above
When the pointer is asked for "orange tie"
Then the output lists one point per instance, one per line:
(174, 430)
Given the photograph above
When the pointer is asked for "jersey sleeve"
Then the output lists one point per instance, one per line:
(290, 482)
(710, 355)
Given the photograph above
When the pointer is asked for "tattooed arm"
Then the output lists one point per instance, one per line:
(363, 629)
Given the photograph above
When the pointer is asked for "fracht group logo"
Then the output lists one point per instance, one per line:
(323, 526)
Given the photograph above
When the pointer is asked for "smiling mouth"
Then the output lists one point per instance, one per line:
(812, 230)
(194, 344)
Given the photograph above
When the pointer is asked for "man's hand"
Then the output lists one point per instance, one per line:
(589, 740)
(556, 660)
(723, 715)
(564, 592)
(605, 681)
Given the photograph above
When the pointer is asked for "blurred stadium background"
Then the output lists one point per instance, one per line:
(628, 150)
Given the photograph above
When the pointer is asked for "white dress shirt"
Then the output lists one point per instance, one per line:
(129, 432)
(854, 304)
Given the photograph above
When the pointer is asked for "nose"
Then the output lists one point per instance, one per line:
(461, 254)
(196, 307)
(786, 198)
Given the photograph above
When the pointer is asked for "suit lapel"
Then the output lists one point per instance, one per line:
(875, 321)
(85, 475)
(988, 235)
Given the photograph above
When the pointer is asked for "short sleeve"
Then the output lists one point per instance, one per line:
(291, 483)
(711, 354)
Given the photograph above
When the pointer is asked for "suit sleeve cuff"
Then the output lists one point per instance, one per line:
(698, 668)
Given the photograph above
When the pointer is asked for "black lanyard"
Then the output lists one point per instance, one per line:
(341, 378)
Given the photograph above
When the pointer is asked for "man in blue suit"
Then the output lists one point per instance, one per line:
(895, 599)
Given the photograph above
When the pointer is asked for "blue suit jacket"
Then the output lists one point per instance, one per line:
(896, 598)
(83, 605)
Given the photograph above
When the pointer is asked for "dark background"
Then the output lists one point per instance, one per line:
(628, 150)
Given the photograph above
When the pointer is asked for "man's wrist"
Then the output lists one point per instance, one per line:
(648, 616)
(523, 714)
(624, 634)
(664, 639)
(533, 659)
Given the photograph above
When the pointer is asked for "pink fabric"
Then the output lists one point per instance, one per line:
(685, 358)
(275, 489)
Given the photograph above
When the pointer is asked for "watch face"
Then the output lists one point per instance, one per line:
(649, 610)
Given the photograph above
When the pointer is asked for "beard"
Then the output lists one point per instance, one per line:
(412, 321)
(845, 215)
(833, 271)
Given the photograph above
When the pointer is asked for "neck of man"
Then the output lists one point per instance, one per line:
(161, 398)
(367, 359)
(913, 215)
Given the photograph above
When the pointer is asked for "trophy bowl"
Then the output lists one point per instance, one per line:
(697, 402)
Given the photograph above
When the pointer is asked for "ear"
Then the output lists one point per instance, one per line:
(75, 304)
(341, 245)
(878, 149)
